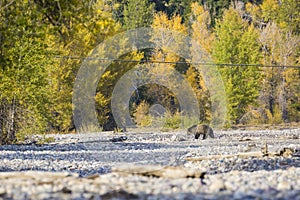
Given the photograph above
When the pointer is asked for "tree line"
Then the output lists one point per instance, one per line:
(38, 39)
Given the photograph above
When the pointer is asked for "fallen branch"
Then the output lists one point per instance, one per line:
(159, 171)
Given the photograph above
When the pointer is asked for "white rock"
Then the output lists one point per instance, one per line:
(284, 185)
(217, 185)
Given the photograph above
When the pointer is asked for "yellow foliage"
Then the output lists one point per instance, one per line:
(254, 11)
(141, 114)
(162, 38)
(161, 20)
(102, 108)
(269, 9)
(200, 31)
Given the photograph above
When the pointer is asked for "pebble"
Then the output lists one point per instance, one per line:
(2, 191)
(284, 185)
(217, 186)
(78, 166)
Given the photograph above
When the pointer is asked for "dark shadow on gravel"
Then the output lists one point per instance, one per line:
(42, 147)
(103, 146)
(81, 173)
(269, 193)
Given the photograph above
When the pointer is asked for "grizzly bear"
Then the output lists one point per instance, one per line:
(202, 129)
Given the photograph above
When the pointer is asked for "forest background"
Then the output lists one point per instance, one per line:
(43, 43)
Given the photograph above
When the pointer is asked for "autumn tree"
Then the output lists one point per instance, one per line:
(76, 36)
(202, 34)
(279, 48)
(161, 38)
(285, 13)
(165, 31)
(279, 38)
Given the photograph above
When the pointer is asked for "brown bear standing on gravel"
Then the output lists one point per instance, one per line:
(201, 129)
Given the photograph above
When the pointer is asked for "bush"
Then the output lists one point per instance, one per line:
(141, 115)
(172, 121)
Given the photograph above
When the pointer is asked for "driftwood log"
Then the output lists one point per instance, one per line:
(158, 171)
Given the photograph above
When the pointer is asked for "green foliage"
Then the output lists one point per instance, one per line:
(275, 117)
(285, 13)
(46, 140)
(237, 43)
(24, 86)
(216, 9)
(172, 121)
(138, 13)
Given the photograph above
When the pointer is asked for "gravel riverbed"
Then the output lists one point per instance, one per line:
(81, 166)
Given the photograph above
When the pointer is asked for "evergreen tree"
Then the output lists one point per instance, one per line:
(138, 13)
(236, 43)
(174, 7)
(181, 8)
(216, 9)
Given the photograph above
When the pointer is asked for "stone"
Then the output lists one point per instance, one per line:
(119, 194)
(2, 191)
(119, 139)
(284, 185)
(178, 138)
(217, 185)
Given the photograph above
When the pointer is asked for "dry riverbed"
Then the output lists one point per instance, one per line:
(237, 164)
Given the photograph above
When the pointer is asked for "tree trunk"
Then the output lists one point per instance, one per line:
(1, 123)
(10, 122)
(283, 97)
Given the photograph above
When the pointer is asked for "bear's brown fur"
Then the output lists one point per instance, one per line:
(202, 129)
